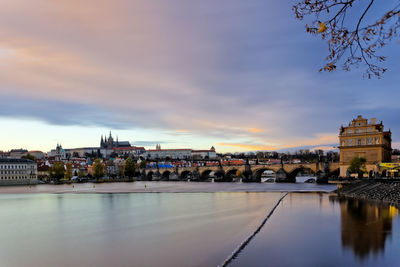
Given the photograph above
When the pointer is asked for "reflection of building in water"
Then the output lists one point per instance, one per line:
(365, 226)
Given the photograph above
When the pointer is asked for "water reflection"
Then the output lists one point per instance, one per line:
(311, 229)
(168, 229)
(195, 229)
(364, 226)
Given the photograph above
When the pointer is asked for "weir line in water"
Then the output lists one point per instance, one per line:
(236, 252)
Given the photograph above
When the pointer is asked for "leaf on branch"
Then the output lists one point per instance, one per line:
(321, 27)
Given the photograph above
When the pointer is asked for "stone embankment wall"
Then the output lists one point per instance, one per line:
(19, 182)
(387, 191)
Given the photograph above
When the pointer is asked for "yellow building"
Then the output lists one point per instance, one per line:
(364, 139)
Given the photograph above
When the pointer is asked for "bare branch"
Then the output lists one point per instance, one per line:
(352, 43)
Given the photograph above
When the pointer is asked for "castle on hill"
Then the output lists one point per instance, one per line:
(109, 143)
(108, 147)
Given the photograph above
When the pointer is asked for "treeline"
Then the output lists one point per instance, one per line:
(64, 172)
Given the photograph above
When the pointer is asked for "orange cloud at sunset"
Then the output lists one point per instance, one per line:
(255, 130)
(322, 141)
(319, 139)
(248, 147)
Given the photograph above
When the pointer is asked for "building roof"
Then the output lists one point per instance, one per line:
(129, 148)
(122, 143)
(20, 150)
(16, 161)
(82, 148)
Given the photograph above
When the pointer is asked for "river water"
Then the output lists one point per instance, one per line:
(195, 229)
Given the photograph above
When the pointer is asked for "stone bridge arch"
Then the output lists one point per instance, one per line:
(219, 175)
(293, 174)
(257, 173)
(205, 174)
(334, 172)
(186, 174)
(231, 174)
(249, 173)
(165, 175)
(149, 176)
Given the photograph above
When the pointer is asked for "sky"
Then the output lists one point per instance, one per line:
(237, 75)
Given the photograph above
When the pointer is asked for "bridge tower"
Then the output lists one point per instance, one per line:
(248, 174)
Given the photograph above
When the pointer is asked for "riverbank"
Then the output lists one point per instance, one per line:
(167, 187)
(388, 192)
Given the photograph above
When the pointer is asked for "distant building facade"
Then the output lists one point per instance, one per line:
(131, 151)
(204, 154)
(42, 170)
(183, 153)
(37, 154)
(18, 172)
(3, 154)
(367, 139)
(17, 153)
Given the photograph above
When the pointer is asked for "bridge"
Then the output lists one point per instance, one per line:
(246, 172)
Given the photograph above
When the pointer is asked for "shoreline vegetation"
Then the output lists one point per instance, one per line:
(378, 191)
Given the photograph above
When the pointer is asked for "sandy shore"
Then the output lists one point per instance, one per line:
(161, 187)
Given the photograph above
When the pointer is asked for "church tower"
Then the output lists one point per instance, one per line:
(110, 142)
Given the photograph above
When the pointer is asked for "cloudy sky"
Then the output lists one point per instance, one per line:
(239, 75)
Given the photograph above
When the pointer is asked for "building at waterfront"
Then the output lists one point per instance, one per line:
(367, 139)
(17, 171)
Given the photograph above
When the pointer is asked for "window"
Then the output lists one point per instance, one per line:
(370, 140)
(376, 140)
(359, 141)
(359, 131)
(350, 142)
